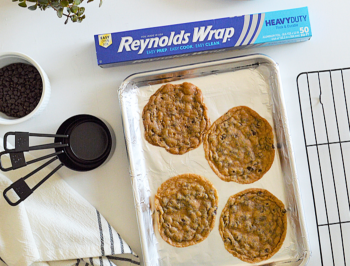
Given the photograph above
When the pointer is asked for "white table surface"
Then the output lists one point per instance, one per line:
(67, 54)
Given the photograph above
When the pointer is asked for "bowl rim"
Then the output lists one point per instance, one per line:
(12, 121)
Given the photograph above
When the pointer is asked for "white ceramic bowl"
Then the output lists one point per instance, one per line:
(11, 58)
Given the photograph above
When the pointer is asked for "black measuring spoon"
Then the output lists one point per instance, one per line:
(82, 143)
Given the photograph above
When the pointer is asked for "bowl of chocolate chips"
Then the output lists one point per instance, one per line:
(24, 88)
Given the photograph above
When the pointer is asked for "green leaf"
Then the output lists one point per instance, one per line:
(81, 11)
(32, 1)
(14, 0)
(100, 3)
(23, 4)
(70, 1)
(60, 12)
(90, 1)
(64, 3)
(74, 9)
(80, 19)
(33, 7)
(76, 2)
(74, 18)
(68, 10)
(43, 2)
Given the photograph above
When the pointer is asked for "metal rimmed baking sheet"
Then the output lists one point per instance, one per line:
(252, 81)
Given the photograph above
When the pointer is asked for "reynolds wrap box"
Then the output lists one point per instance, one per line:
(202, 37)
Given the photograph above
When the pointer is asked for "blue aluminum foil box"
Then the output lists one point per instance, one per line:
(202, 37)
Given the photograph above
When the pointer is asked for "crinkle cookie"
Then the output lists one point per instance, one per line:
(186, 207)
(253, 225)
(175, 118)
(239, 146)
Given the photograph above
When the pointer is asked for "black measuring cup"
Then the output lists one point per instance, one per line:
(81, 143)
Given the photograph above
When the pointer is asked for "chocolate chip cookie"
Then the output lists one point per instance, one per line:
(176, 118)
(186, 207)
(239, 146)
(253, 225)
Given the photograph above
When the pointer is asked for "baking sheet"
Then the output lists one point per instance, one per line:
(245, 81)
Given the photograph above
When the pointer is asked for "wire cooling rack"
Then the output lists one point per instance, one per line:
(324, 99)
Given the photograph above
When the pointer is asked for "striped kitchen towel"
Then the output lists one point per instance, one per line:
(55, 226)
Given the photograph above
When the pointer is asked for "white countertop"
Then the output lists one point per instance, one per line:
(67, 54)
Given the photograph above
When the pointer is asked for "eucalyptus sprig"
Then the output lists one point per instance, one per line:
(64, 8)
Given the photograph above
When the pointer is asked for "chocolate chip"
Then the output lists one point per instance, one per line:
(20, 89)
